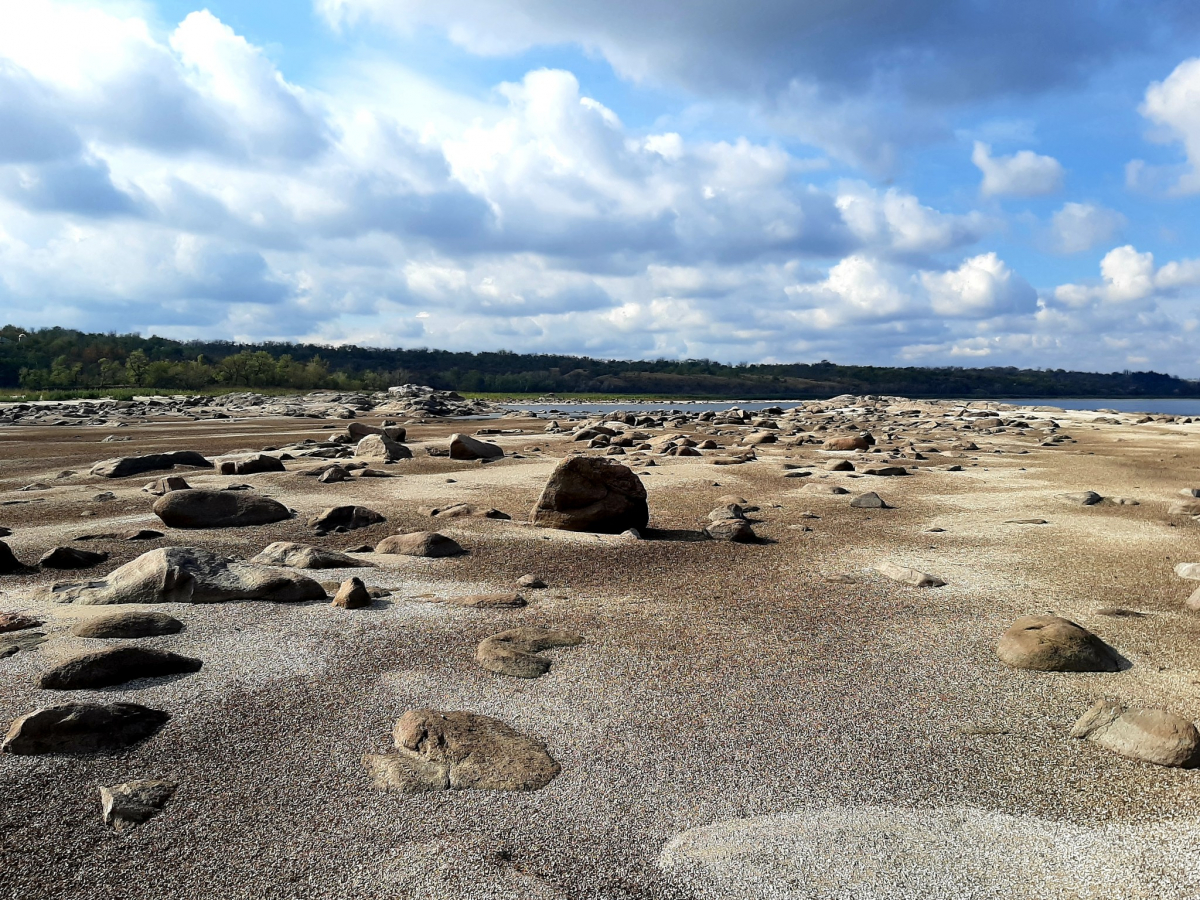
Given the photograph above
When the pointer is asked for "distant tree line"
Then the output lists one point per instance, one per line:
(64, 359)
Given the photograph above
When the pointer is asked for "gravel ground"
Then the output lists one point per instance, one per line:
(717, 683)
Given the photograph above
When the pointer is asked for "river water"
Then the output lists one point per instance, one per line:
(1165, 406)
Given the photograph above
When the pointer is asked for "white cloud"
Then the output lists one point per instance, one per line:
(1024, 174)
(982, 286)
(1131, 278)
(1081, 226)
(1174, 105)
(897, 220)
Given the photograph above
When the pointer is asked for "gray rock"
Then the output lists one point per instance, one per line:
(515, 652)
(1150, 735)
(869, 500)
(125, 805)
(420, 543)
(186, 575)
(252, 465)
(115, 665)
(304, 556)
(381, 447)
(1082, 498)
(1054, 644)
(489, 601)
(218, 509)
(345, 518)
(439, 751)
(465, 447)
(166, 484)
(120, 467)
(74, 728)
(735, 530)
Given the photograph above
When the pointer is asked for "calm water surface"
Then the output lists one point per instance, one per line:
(1163, 406)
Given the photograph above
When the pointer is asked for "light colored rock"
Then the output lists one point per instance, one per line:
(1054, 644)
(420, 543)
(515, 652)
(439, 751)
(906, 575)
(1081, 498)
(869, 500)
(186, 575)
(125, 805)
(738, 531)
(352, 594)
(305, 556)
(1150, 735)
(381, 447)
(1190, 571)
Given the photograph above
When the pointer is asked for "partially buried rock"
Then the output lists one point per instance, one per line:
(218, 509)
(132, 534)
(464, 510)
(592, 494)
(1082, 498)
(736, 530)
(1184, 508)
(304, 556)
(885, 471)
(134, 624)
(515, 653)
(420, 543)
(1026, 522)
(907, 575)
(136, 465)
(167, 484)
(819, 487)
(464, 447)
(252, 465)
(489, 601)
(83, 728)
(530, 581)
(71, 558)
(14, 621)
(381, 447)
(839, 465)
(116, 665)
(134, 802)
(352, 594)
(9, 564)
(869, 500)
(186, 575)
(344, 518)
(1054, 644)
(1151, 735)
(333, 475)
(440, 751)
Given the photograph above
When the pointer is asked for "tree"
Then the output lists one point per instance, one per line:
(136, 365)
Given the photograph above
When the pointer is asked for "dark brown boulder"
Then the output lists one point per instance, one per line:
(218, 509)
(123, 466)
(252, 465)
(83, 728)
(71, 558)
(592, 494)
(344, 518)
(116, 665)
(128, 625)
(420, 543)
(1054, 644)
(9, 564)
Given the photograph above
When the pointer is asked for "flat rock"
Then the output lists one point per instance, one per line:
(1026, 522)
(592, 494)
(531, 582)
(907, 575)
(489, 601)
(839, 465)
(851, 442)
(1054, 644)
(166, 484)
(1190, 571)
(122, 466)
(381, 447)
(738, 531)
(131, 624)
(420, 543)
(439, 751)
(82, 728)
(885, 471)
(819, 487)
(71, 558)
(218, 509)
(352, 594)
(1184, 508)
(464, 511)
(115, 665)
(346, 518)
(1081, 498)
(124, 806)
(465, 447)
(186, 575)
(515, 652)
(1150, 735)
(305, 556)
(869, 500)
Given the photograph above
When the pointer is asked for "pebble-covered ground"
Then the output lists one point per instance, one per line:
(865, 728)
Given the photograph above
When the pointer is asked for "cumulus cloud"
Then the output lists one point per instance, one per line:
(1024, 174)
(1173, 105)
(1129, 277)
(1081, 226)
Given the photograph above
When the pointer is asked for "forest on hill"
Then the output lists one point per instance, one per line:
(64, 359)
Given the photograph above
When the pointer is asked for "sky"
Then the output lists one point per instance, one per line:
(926, 182)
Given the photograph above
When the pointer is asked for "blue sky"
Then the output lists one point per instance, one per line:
(928, 183)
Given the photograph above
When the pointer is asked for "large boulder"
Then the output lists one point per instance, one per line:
(218, 509)
(122, 466)
(1151, 735)
(130, 624)
(186, 575)
(304, 556)
(1054, 644)
(82, 728)
(440, 751)
(381, 447)
(465, 447)
(592, 494)
(420, 543)
(344, 518)
(515, 652)
(115, 665)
